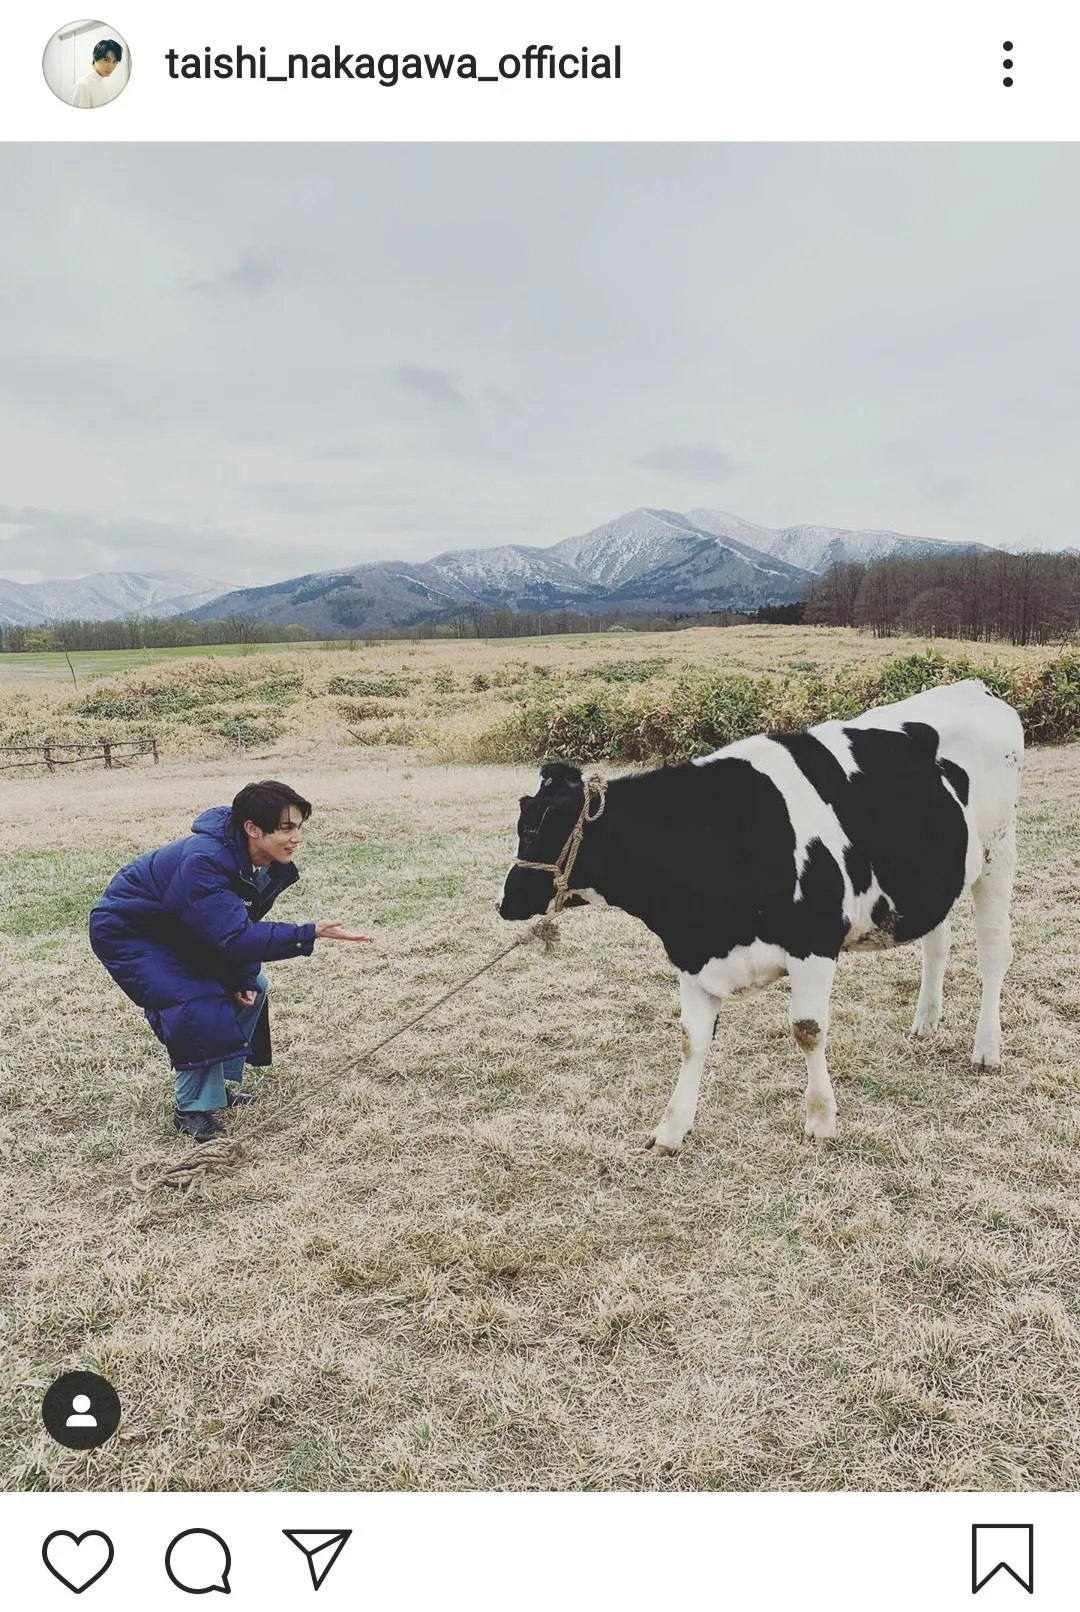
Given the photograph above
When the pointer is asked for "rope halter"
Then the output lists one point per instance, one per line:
(563, 866)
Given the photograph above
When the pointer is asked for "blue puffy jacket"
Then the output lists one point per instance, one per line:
(180, 929)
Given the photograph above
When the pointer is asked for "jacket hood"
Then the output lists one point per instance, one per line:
(215, 822)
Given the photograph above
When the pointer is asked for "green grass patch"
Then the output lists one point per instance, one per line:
(390, 685)
(92, 663)
(628, 671)
(50, 891)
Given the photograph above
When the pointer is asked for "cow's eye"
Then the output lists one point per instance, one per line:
(531, 818)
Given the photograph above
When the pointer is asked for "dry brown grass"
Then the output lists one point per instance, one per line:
(454, 690)
(464, 1272)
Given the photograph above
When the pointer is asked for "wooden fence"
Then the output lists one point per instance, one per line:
(46, 754)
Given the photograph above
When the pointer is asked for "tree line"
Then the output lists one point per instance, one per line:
(171, 632)
(480, 621)
(475, 621)
(1019, 598)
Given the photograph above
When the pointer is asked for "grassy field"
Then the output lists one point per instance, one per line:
(461, 1270)
(450, 699)
(45, 666)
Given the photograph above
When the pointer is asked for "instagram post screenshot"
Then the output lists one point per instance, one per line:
(540, 773)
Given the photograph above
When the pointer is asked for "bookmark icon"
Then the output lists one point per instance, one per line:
(321, 1546)
(1002, 1546)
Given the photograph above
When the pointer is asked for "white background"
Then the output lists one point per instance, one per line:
(536, 1553)
(759, 70)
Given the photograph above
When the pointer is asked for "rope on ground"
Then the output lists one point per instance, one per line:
(225, 1156)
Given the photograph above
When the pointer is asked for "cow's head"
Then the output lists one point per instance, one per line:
(546, 822)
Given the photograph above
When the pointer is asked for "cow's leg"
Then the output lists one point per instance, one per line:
(811, 983)
(935, 952)
(992, 893)
(698, 1021)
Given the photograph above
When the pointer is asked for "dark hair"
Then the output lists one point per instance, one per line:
(263, 804)
(103, 47)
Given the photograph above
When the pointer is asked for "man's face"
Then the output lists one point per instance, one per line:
(279, 845)
(106, 64)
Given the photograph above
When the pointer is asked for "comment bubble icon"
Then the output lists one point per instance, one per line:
(199, 1561)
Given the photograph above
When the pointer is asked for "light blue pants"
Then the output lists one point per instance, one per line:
(200, 1090)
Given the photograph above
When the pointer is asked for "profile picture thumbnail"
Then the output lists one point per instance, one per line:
(87, 64)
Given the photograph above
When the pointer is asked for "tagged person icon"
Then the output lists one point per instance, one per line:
(79, 1406)
(81, 1410)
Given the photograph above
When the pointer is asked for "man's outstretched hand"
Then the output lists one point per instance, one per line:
(330, 929)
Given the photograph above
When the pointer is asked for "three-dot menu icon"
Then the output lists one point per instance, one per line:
(1007, 47)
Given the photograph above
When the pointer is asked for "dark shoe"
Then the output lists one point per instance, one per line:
(236, 1097)
(200, 1126)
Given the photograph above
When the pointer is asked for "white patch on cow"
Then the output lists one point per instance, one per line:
(935, 952)
(698, 1016)
(745, 968)
(811, 817)
(832, 737)
(808, 1011)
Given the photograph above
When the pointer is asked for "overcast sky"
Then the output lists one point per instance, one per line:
(255, 361)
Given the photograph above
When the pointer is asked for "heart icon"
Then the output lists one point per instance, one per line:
(64, 1555)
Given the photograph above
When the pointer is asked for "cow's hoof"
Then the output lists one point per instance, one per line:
(661, 1150)
(820, 1128)
(987, 1060)
(924, 1025)
(818, 1139)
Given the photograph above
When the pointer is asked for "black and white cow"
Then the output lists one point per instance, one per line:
(777, 853)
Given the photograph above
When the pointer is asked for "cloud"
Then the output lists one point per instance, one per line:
(502, 400)
(947, 489)
(251, 275)
(434, 384)
(302, 497)
(697, 462)
(327, 498)
(235, 369)
(78, 544)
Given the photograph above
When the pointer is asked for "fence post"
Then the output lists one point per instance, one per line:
(153, 746)
(107, 748)
(48, 755)
(239, 741)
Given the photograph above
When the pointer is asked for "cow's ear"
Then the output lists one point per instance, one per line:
(554, 773)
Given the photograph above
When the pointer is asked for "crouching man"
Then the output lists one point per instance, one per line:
(181, 932)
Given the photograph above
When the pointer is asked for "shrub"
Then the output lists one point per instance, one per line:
(388, 685)
(911, 674)
(365, 710)
(1050, 710)
(705, 710)
(251, 728)
(393, 732)
(628, 671)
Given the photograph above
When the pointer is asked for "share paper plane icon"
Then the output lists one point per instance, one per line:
(321, 1546)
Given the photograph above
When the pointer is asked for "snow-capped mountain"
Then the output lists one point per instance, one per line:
(509, 573)
(650, 540)
(815, 548)
(647, 560)
(107, 596)
(615, 553)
